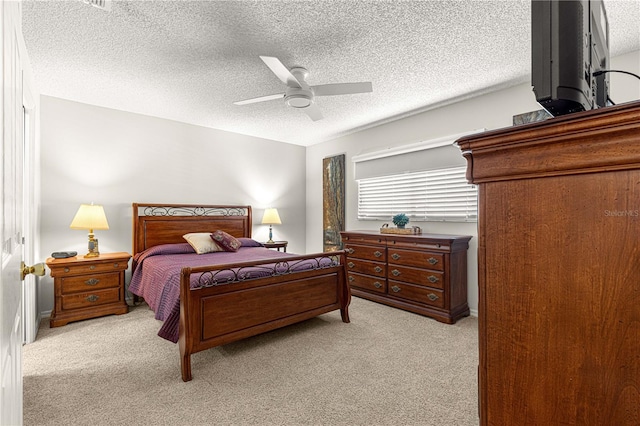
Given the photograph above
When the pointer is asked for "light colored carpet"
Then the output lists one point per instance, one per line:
(387, 367)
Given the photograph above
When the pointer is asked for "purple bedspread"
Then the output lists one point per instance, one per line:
(157, 277)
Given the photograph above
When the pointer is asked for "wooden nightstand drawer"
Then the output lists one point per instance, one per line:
(89, 282)
(417, 293)
(86, 268)
(417, 258)
(94, 298)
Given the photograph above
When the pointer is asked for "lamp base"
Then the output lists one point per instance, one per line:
(93, 247)
(270, 240)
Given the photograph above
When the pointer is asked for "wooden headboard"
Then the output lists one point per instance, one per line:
(155, 224)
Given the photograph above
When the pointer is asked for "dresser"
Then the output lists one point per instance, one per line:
(559, 269)
(425, 274)
(88, 287)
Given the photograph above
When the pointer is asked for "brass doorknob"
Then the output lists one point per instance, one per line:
(37, 269)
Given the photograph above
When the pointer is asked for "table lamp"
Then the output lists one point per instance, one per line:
(270, 218)
(90, 216)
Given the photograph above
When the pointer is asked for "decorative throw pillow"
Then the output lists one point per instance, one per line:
(202, 242)
(226, 241)
(249, 242)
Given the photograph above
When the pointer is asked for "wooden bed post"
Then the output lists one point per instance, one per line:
(185, 349)
(345, 293)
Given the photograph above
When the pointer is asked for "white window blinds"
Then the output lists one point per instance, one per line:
(432, 195)
(424, 180)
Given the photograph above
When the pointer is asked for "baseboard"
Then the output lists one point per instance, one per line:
(473, 312)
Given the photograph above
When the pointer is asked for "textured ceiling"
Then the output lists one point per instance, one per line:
(190, 60)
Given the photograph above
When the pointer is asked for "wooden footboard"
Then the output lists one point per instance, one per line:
(216, 314)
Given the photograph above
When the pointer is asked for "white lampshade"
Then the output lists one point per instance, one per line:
(271, 217)
(90, 216)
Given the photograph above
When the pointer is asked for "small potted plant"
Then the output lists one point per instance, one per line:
(400, 220)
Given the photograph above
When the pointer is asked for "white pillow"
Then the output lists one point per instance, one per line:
(202, 242)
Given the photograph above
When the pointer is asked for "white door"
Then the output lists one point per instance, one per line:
(11, 209)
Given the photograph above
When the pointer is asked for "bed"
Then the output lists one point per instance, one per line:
(211, 299)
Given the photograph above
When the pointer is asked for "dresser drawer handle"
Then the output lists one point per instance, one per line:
(396, 273)
(377, 253)
(66, 269)
(395, 256)
(351, 279)
(115, 265)
(92, 298)
(432, 297)
(433, 278)
(351, 264)
(92, 267)
(92, 281)
(432, 260)
(377, 284)
(350, 250)
(395, 288)
(377, 269)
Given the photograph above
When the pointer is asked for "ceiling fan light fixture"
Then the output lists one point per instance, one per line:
(298, 100)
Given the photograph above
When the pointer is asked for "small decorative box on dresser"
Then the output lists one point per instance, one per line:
(88, 287)
(425, 274)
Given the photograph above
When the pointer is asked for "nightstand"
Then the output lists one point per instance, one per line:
(277, 245)
(88, 287)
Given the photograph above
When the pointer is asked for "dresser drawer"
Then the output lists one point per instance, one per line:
(90, 282)
(417, 276)
(368, 283)
(92, 298)
(416, 293)
(416, 258)
(366, 267)
(377, 253)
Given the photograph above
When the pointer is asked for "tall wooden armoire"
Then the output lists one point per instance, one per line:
(559, 269)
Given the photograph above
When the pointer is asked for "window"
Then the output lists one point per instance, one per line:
(424, 180)
(433, 195)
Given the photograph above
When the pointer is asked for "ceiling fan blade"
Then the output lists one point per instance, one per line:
(313, 112)
(260, 99)
(342, 88)
(280, 71)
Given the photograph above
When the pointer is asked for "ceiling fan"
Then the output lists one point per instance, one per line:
(299, 94)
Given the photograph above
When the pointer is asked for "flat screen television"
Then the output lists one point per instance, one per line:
(569, 44)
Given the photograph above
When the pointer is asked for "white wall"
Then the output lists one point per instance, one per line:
(115, 158)
(491, 111)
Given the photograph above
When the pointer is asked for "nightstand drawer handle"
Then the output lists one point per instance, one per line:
(396, 273)
(377, 269)
(395, 288)
(377, 253)
(92, 298)
(351, 264)
(432, 260)
(92, 267)
(350, 250)
(66, 269)
(92, 281)
(395, 256)
(115, 265)
(351, 279)
(377, 284)
(433, 278)
(432, 297)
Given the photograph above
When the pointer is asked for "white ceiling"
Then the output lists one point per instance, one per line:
(190, 60)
